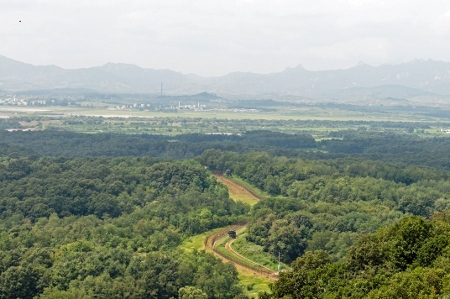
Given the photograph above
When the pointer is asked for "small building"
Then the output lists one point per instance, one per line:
(232, 234)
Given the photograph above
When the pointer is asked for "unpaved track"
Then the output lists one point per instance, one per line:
(241, 191)
(236, 188)
(210, 244)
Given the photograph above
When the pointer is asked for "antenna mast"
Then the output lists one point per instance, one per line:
(160, 98)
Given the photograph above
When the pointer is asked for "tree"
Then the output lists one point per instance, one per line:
(190, 292)
(301, 280)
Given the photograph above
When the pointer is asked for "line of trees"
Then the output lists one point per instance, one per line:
(385, 147)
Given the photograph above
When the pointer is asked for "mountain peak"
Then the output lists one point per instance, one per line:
(299, 67)
(425, 75)
(119, 66)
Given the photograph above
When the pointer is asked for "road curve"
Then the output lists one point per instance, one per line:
(210, 241)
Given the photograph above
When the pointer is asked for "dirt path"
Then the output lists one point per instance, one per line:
(237, 190)
(242, 193)
(259, 270)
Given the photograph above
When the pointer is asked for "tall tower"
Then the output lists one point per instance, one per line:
(160, 98)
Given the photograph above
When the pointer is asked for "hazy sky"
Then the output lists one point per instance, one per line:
(215, 37)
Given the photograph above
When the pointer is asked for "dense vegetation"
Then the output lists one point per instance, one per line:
(101, 216)
(173, 123)
(375, 146)
(109, 228)
(409, 259)
(328, 204)
(69, 144)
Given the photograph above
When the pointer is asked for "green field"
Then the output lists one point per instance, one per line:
(195, 242)
(220, 247)
(316, 120)
(254, 285)
(256, 253)
(284, 113)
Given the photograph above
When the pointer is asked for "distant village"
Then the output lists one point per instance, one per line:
(23, 102)
(171, 107)
(15, 101)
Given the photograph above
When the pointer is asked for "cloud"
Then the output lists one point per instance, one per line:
(216, 37)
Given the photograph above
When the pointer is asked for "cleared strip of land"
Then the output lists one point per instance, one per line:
(219, 243)
(237, 191)
(252, 274)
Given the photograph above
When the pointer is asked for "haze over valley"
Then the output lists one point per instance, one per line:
(243, 149)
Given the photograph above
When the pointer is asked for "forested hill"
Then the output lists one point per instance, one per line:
(386, 147)
(409, 259)
(102, 216)
(327, 205)
(324, 215)
(109, 228)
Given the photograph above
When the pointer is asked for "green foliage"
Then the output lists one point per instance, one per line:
(112, 187)
(326, 205)
(191, 293)
(417, 283)
(377, 146)
(302, 281)
(109, 228)
(404, 260)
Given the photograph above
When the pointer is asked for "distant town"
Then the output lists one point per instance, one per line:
(24, 102)
(16, 101)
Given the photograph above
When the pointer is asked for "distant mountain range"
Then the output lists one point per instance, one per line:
(416, 78)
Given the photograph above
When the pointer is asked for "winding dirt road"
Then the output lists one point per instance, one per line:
(237, 190)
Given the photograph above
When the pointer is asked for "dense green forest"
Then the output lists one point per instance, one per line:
(326, 205)
(375, 146)
(102, 216)
(409, 259)
(109, 228)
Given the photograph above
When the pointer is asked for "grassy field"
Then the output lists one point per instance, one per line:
(195, 242)
(254, 284)
(281, 113)
(317, 121)
(251, 281)
(220, 247)
(255, 253)
(249, 250)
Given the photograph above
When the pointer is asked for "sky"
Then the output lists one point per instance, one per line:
(216, 37)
